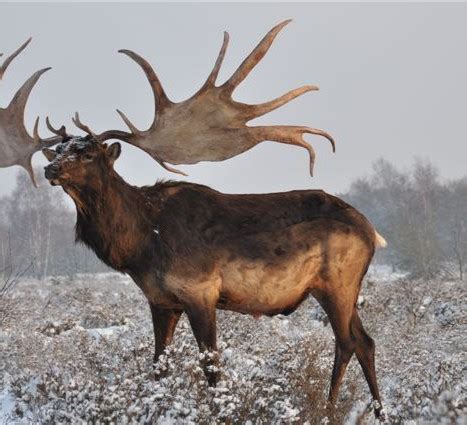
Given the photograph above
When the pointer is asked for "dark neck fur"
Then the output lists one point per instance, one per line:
(112, 219)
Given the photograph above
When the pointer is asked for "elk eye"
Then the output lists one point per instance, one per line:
(87, 157)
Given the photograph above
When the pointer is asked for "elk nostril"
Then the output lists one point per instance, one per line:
(51, 171)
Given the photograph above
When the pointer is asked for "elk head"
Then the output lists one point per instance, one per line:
(16, 145)
(210, 125)
(80, 162)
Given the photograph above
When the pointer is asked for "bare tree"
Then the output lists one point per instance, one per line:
(422, 218)
(455, 214)
(41, 229)
(11, 274)
(425, 209)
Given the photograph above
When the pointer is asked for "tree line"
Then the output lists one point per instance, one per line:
(37, 236)
(423, 218)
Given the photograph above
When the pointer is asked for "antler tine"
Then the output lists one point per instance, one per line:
(26, 163)
(211, 80)
(160, 98)
(253, 58)
(35, 132)
(291, 135)
(318, 132)
(130, 125)
(76, 121)
(50, 141)
(171, 169)
(253, 111)
(59, 132)
(18, 103)
(10, 58)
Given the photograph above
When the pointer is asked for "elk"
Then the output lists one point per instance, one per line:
(192, 249)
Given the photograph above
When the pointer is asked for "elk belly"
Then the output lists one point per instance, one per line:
(262, 287)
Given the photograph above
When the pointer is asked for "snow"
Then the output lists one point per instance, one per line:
(384, 273)
(111, 331)
(7, 405)
(82, 351)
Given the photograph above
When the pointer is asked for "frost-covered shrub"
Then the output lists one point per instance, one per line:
(82, 352)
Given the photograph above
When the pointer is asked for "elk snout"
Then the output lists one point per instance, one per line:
(52, 172)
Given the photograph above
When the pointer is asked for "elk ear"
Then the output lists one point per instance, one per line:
(113, 152)
(49, 154)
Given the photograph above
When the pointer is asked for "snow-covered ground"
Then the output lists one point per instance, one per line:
(81, 351)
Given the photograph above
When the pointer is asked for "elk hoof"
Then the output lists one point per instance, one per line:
(212, 378)
(212, 375)
(159, 373)
(330, 408)
(379, 411)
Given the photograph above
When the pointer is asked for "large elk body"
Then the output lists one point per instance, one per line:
(192, 249)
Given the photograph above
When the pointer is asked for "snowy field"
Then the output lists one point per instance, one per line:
(81, 351)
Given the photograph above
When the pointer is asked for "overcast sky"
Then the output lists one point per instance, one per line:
(393, 80)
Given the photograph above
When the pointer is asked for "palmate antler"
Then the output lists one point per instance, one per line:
(16, 145)
(210, 126)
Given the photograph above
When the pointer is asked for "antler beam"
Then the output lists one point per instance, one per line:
(16, 145)
(211, 126)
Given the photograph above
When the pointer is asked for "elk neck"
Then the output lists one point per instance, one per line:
(113, 219)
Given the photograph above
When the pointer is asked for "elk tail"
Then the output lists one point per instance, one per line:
(380, 242)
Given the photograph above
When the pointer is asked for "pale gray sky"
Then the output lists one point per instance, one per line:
(393, 81)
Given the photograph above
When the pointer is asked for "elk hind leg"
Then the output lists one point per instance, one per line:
(340, 314)
(365, 351)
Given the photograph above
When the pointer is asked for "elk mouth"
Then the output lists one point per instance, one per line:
(52, 175)
(55, 182)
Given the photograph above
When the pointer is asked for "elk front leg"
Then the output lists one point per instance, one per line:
(203, 322)
(165, 322)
